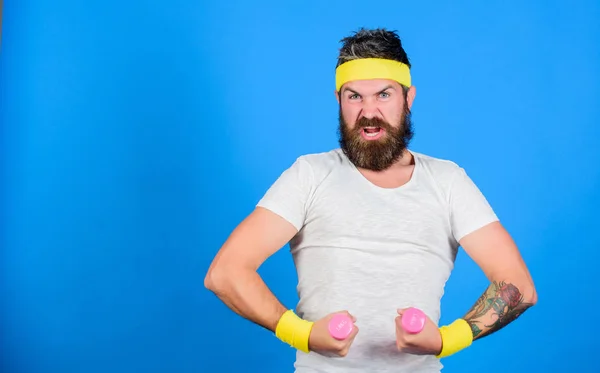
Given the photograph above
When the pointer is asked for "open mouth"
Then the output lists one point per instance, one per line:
(372, 133)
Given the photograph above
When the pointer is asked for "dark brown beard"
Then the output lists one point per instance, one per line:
(380, 154)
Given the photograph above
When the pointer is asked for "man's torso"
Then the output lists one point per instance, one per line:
(371, 251)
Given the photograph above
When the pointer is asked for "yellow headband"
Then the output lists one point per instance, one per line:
(372, 68)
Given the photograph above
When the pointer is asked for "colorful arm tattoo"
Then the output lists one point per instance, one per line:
(500, 305)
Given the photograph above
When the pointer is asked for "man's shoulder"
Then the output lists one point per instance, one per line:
(440, 170)
(324, 160)
(436, 162)
(321, 165)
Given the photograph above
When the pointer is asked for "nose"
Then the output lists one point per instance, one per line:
(370, 109)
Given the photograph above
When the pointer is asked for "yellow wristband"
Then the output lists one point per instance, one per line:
(455, 337)
(294, 331)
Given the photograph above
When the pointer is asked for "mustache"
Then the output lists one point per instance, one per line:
(372, 122)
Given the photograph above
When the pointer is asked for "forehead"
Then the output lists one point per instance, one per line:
(371, 85)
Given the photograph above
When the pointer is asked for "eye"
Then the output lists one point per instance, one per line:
(354, 96)
(384, 95)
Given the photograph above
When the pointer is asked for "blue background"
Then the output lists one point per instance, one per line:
(136, 135)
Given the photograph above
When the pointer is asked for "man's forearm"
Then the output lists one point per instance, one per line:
(245, 293)
(502, 303)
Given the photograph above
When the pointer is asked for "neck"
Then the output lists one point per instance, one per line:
(394, 176)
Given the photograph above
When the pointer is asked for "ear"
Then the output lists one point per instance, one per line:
(337, 96)
(412, 92)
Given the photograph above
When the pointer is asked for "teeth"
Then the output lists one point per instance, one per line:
(371, 131)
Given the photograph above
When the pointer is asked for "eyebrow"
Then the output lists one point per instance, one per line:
(381, 91)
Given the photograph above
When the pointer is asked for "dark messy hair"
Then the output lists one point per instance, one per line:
(372, 43)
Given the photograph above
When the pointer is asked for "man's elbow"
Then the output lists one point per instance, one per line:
(208, 281)
(221, 277)
(216, 279)
(531, 296)
(528, 293)
(516, 286)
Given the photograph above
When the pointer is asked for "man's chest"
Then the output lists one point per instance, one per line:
(410, 216)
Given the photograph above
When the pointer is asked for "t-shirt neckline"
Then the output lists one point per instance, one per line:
(404, 186)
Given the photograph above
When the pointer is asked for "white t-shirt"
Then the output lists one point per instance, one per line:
(373, 250)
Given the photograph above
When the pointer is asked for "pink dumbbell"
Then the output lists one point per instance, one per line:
(413, 320)
(340, 326)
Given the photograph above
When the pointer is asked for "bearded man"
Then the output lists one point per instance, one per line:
(374, 228)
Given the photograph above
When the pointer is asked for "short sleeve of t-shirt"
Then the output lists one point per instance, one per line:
(469, 209)
(288, 196)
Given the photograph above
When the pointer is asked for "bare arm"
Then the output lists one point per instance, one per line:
(511, 291)
(233, 275)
